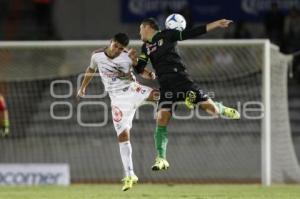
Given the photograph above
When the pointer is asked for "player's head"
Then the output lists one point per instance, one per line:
(147, 28)
(118, 43)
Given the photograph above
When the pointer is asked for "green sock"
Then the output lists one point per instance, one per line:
(161, 141)
(220, 107)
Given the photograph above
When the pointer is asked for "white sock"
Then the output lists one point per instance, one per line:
(126, 152)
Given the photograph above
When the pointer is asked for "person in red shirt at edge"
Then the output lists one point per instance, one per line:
(4, 121)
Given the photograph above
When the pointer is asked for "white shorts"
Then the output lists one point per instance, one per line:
(124, 104)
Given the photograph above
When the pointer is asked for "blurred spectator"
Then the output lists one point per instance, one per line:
(296, 68)
(292, 31)
(292, 38)
(186, 12)
(274, 23)
(43, 16)
(161, 18)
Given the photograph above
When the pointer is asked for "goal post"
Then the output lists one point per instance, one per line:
(266, 120)
(39, 79)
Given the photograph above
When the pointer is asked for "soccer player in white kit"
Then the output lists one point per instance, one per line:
(114, 64)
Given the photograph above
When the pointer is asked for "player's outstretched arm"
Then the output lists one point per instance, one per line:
(222, 23)
(199, 30)
(89, 73)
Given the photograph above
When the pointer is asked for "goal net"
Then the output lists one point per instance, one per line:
(48, 125)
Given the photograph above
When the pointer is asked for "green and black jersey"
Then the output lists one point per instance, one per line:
(163, 54)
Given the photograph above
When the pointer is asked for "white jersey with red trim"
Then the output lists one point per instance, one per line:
(116, 73)
(125, 93)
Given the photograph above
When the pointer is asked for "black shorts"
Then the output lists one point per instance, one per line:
(170, 97)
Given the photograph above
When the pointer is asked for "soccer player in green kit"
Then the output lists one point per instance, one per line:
(160, 48)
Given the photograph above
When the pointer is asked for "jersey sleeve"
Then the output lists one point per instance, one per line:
(176, 35)
(142, 60)
(93, 64)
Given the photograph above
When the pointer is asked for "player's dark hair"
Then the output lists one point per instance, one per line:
(121, 38)
(151, 22)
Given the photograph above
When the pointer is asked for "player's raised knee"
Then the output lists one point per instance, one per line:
(124, 136)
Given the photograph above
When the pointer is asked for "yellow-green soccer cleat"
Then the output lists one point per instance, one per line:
(231, 113)
(190, 99)
(129, 181)
(134, 179)
(160, 164)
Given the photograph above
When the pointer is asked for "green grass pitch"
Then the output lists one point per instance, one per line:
(156, 191)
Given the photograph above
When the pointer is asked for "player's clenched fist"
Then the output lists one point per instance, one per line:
(152, 75)
(132, 53)
(224, 23)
